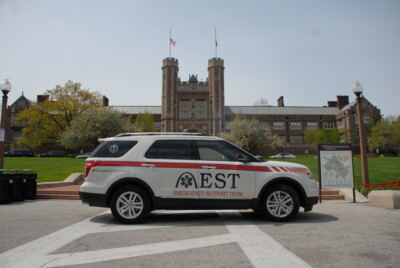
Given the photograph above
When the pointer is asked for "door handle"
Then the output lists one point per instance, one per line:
(208, 167)
(148, 165)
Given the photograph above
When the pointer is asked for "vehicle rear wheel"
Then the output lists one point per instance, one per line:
(130, 204)
(280, 203)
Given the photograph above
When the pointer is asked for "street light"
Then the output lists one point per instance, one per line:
(5, 87)
(358, 89)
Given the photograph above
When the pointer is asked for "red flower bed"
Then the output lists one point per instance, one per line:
(394, 185)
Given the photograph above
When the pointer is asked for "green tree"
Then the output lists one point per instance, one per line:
(316, 136)
(92, 124)
(45, 121)
(385, 135)
(145, 122)
(247, 135)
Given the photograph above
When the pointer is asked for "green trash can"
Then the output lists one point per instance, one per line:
(18, 186)
(30, 184)
(6, 188)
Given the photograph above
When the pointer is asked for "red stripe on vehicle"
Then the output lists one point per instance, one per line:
(181, 165)
(170, 165)
(240, 167)
(118, 164)
(200, 166)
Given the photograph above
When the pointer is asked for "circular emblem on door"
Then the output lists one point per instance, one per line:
(186, 180)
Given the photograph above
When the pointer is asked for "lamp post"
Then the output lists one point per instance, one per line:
(358, 89)
(5, 87)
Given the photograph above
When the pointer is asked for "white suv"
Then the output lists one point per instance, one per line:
(136, 173)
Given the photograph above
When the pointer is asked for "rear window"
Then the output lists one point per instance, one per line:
(113, 148)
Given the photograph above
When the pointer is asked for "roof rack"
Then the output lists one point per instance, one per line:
(161, 134)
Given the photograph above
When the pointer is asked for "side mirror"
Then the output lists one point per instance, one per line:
(242, 158)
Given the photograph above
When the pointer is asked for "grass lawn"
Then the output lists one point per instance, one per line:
(386, 169)
(48, 168)
(381, 169)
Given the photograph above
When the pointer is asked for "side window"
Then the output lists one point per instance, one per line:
(217, 151)
(169, 149)
(113, 148)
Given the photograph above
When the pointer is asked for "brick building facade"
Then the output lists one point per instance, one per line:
(200, 106)
(12, 130)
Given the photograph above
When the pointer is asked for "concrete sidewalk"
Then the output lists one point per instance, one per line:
(334, 234)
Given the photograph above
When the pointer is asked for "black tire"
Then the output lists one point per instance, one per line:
(280, 203)
(130, 204)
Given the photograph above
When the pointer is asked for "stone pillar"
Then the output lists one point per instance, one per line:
(168, 98)
(217, 96)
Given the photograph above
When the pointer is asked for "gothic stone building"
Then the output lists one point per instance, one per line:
(200, 106)
(193, 105)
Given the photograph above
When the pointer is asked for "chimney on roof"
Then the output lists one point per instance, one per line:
(332, 103)
(342, 101)
(105, 101)
(42, 98)
(280, 102)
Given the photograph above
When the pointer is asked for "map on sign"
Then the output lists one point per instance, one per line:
(336, 169)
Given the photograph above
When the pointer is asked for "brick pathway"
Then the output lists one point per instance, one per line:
(70, 192)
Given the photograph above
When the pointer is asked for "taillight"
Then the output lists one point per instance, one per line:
(89, 165)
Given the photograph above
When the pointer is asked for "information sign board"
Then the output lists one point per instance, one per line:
(335, 163)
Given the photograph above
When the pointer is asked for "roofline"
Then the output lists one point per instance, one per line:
(134, 106)
(271, 106)
(133, 134)
(252, 106)
(160, 134)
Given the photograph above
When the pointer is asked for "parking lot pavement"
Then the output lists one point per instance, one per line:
(69, 234)
(341, 234)
(22, 222)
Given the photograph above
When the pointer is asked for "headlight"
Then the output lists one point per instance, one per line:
(305, 171)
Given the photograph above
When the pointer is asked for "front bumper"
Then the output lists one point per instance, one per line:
(309, 202)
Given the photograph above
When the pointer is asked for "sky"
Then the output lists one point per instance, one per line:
(308, 51)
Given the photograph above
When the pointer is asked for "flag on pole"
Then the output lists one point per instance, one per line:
(171, 42)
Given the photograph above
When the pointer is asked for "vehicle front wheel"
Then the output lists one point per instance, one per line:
(280, 203)
(130, 204)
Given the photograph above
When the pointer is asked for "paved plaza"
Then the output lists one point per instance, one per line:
(54, 233)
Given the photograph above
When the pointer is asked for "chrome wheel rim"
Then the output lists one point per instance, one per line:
(280, 204)
(129, 205)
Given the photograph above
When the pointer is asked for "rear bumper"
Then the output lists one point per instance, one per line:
(95, 200)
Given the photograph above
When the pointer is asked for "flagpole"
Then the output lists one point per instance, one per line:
(216, 44)
(170, 42)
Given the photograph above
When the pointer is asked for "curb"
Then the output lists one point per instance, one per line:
(73, 179)
(348, 195)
